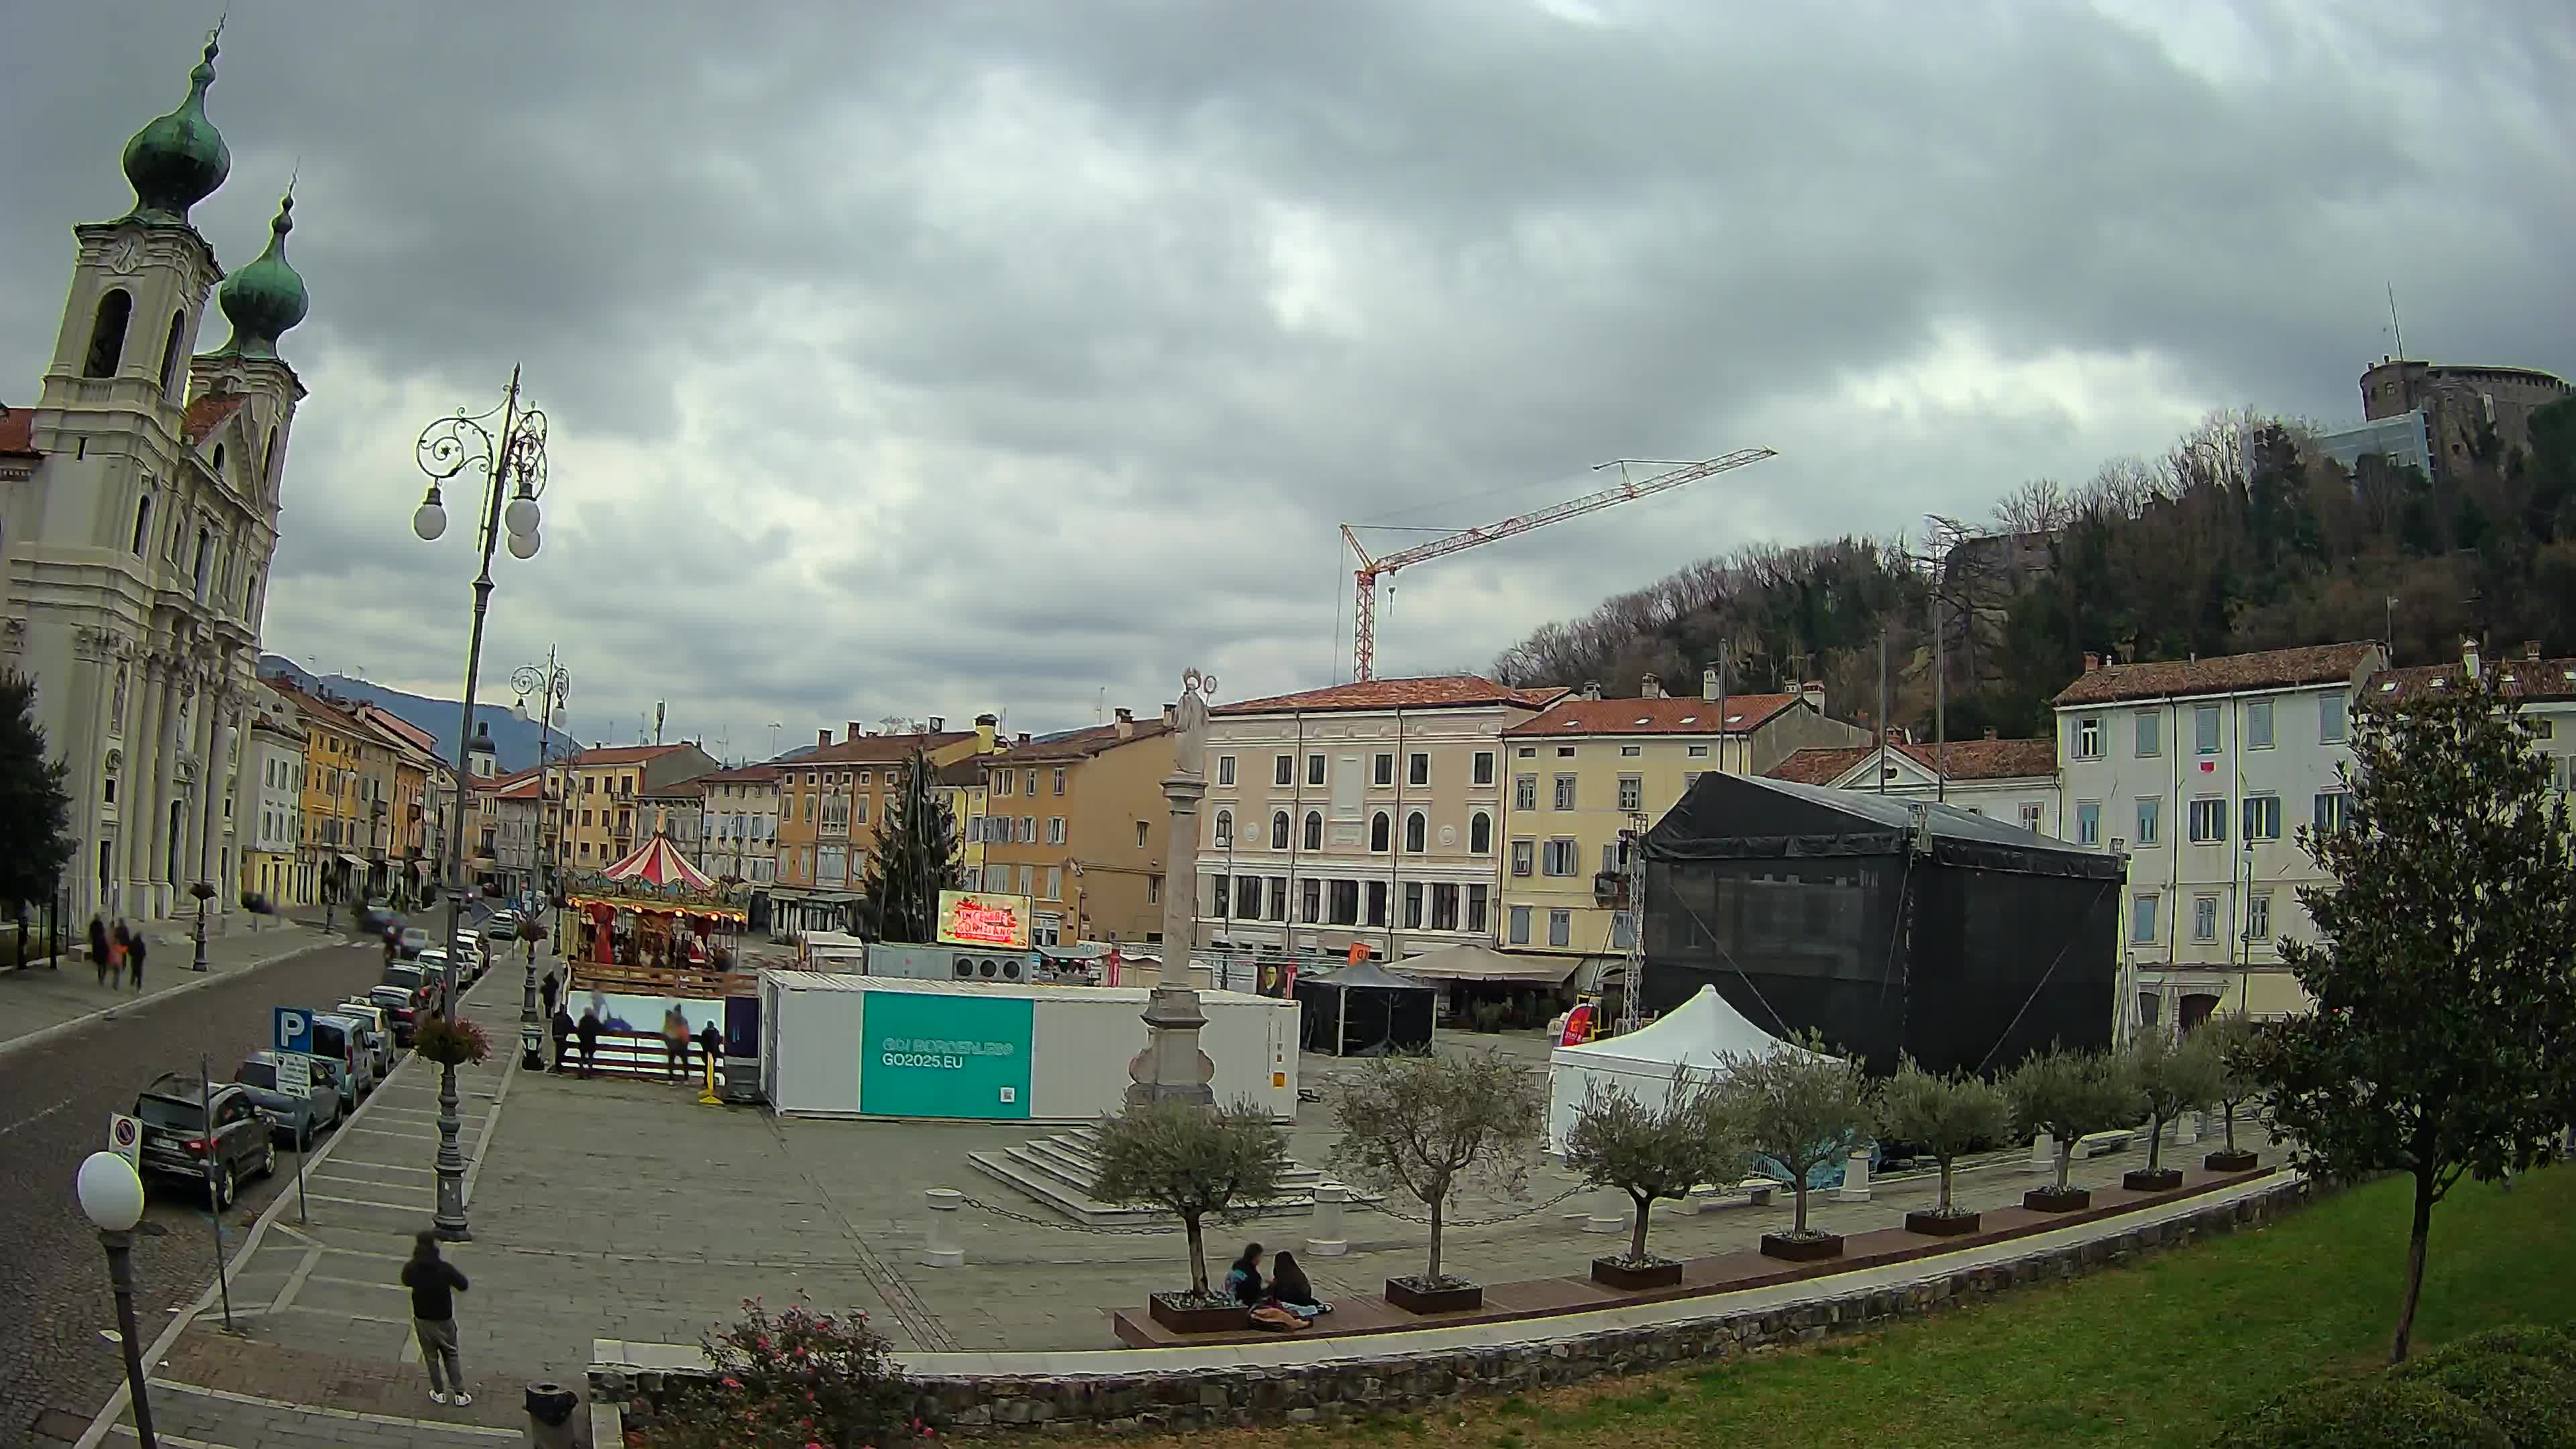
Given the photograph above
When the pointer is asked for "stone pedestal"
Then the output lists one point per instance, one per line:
(939, 1245)
(1171, 1068)
(1855, 1186)
(2043, 1155)
(1608, 1212)
(2186, 1129)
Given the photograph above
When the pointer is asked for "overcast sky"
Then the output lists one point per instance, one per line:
(934, 358)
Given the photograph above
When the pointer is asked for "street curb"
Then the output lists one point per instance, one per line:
(104, 1423)
(62, 1029)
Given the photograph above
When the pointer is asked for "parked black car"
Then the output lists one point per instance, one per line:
(402, 1006)
(179, 1147)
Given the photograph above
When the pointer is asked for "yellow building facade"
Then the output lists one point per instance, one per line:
(342, 760)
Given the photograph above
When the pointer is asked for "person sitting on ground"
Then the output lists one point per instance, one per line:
(1243, 1281)
(1290, 1290)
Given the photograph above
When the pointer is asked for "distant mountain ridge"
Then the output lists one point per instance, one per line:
(517, 742)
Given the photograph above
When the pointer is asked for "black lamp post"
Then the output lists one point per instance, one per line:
(111, 1197)
(204, 892)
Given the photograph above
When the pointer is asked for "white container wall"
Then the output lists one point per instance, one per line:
(884, 1047)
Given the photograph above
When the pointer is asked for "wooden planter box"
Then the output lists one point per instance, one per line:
(1228, 1318)
(2050, 1200)
(1612, 1273)
(1402, 1293)
(1801, 1250)
(2163, 1179)
(1941, 1225)
(2225, 1161)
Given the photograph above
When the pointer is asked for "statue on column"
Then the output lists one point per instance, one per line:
(1171, 1067)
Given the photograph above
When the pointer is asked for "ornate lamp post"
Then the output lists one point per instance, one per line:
(513, 464)
(552, 685)
(111, 1197)
(1171, 1067)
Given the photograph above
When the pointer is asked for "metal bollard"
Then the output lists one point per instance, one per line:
(2186, 1129)
(1855, 1186)
(1324, 1232)
(550, 1409)
(939, 1247)
(1609, 1212)
(2043, 1154)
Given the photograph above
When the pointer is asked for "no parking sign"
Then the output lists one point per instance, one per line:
(125, 1138)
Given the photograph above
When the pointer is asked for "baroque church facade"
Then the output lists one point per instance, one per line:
(138, 513)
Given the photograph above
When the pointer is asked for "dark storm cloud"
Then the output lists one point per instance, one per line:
(924, 359)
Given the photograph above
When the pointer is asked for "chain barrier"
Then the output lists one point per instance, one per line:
(1446, 1223)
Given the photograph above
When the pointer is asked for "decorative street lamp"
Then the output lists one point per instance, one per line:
(111, 1197)
(552, 685)
(513, 464)
(204, 892)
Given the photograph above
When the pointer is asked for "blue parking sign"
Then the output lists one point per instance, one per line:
(294, 1029)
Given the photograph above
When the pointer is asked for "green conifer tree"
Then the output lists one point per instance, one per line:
(915, 858)
(35, 809)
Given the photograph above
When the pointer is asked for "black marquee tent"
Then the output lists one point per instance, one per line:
(1364, 1011)
(1890, 925)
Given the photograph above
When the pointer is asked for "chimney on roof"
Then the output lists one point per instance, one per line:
(2469, 654)
(1171, 716)
(1024, 737)
(938, 724)
(1990, 732)
(1651, 687)
(1592, 689)
(2092, 662)
(1708, 684)
(822, 738)
(1813, 691)
(2530, 648)
(988, 729)
(1126, 724)
(855, 731)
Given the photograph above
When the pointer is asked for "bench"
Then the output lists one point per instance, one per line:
(1755, 1190)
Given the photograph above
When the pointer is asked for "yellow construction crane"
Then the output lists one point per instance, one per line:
(1364, 615)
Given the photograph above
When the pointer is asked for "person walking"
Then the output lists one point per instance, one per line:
(547, 989)
(587, 1033)
(98, 947)
(675, 1042)
(134, 960)
(434, 1284)
(562, 1024)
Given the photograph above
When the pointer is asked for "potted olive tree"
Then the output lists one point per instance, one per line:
(1652, 1153)
(2171, 1077)
(2232, 1039)
(1192, 1163)
(1945, 1118)
(2069, 1095)
(1802, 1108)
(1424, 1126)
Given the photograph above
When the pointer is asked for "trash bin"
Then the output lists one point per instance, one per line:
(550, 1410)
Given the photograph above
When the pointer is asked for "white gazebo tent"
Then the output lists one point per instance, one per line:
(1694, 1037)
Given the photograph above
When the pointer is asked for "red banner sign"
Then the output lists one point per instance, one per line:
(1578, 1026)
(968, 918)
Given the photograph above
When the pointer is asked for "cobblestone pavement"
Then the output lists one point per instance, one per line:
(55, 1098)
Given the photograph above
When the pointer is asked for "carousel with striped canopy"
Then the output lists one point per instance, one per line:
(652, 910)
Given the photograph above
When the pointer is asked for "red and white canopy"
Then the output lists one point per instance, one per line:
(658, 863)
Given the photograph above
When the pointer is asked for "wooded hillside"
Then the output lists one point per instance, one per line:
(2239, 537)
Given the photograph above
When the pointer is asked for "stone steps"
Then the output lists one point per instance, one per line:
(1058, 1171)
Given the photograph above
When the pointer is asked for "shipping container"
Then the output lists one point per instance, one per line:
(871, 1046)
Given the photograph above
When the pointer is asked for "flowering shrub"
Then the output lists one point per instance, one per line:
(451, 1043)
(793, 1378)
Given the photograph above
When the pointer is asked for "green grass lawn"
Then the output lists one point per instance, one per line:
(2160, 1353)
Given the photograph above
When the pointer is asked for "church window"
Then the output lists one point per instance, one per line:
(205, 554)
(268, 461)
(170, 353)
(142, 523)
(107, 334)
(219, 462)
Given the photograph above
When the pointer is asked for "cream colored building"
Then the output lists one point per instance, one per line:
(2010, 780)
(1586, 774)
(1366, 814)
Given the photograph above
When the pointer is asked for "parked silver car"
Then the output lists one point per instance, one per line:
(296, 1119)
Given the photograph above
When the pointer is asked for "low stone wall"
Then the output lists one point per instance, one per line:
(1406, 1382)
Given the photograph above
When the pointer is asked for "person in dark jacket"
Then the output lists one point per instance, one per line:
(1290, 1290)
(434, 1284)
(547, 989)
(134, 961)
(711, 1041)
(587, 1032)
(561, 1024)
(98, 947)
(1243, 1281)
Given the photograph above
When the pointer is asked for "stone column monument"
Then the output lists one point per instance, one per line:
(1171, 1068)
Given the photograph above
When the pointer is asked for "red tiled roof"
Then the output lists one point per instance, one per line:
(875, 749)
(325, 710)
(2524, 678)
(402, 729)
(527, 788)
(747, 775)
(208, 413)
(1667, 716)
(1080, 744)
(622, 754)
(18, 431)
(2226, 674)
(1437, 691)
(1966, 760)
